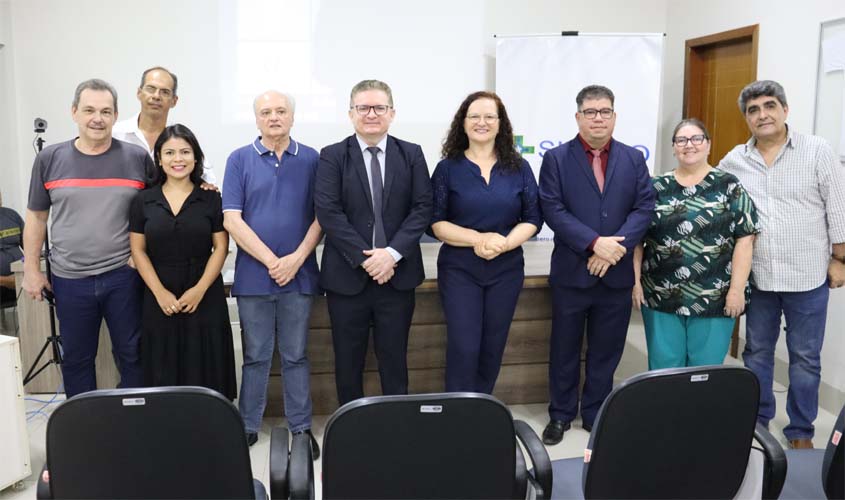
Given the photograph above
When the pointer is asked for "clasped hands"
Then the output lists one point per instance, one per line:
(283, 269)
(607, 251)
(488, 246)
(380, 265)
(187, 303)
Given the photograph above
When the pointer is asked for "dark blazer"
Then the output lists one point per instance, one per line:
(578, 212)
(344, 208)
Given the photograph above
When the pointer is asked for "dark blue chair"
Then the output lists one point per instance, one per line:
(818, 473)
(164, 442)
(677, 433)
(432, 446)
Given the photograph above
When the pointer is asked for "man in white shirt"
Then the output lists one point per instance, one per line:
(157, 95)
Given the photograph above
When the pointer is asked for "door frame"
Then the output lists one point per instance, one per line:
(692, 57)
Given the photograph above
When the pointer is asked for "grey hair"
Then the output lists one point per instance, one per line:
(365, 85)
(159, 68)
(761, 88)
(594, 92)
(289, 98)
(94, 84)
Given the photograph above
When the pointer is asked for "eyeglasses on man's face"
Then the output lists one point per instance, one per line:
(696, 140)
(591, 113)
(364, 110)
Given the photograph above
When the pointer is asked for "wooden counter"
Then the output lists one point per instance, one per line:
(524, 374)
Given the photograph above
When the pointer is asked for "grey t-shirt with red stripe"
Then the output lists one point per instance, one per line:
(89, 197)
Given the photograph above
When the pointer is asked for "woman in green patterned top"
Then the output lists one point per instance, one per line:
(691, 272)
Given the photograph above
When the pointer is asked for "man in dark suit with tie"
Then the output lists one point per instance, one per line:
(597, 197)
(373, 200)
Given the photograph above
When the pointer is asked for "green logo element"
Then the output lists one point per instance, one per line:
(523, 149)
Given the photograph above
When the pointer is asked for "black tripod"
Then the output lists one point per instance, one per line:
(54, 340)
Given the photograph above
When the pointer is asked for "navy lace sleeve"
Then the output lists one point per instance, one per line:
(440, 189)
(530, 197)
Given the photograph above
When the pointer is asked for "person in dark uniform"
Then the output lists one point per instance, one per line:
(11, 242)
(186, 336)
(485, 207)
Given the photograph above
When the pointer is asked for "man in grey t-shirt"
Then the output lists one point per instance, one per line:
(88, 183)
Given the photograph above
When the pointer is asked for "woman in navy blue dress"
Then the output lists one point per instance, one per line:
(485, 208)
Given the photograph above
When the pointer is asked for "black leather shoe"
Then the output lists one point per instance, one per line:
(553, 433)
(587, 427)
(251, 438)
(315, 447)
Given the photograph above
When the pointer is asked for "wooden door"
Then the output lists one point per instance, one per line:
(717, 68)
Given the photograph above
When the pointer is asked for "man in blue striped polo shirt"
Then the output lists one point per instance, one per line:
(268, 208)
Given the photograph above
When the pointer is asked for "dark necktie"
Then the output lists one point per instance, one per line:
(377, 187)
(597, 170)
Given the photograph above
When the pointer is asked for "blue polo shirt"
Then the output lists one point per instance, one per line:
(276, 200)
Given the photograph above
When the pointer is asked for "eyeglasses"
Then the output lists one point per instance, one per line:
(696, 140)
(152, 89)
(364, 110)
(590, 114)
(478, 118)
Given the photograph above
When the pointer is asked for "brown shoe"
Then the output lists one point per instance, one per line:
(801, 444)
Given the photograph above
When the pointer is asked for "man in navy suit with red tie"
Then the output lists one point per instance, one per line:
(373, 199)
(597, 197)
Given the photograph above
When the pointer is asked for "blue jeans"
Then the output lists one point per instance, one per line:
(81, 305)
(265, 318)
(805, 314)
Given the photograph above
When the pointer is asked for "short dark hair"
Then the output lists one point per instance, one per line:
(180, 131)
(695, 122)
(594, 92)
(94, 84)
(457, 141)
(760, 88)
(160, 68)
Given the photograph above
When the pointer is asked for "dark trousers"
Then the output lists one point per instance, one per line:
(479, 299)
(81, 305)
(605, 312)
(389, 311)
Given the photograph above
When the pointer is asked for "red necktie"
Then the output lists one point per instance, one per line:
(597, 171)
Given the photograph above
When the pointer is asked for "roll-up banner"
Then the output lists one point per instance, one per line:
(538, 77)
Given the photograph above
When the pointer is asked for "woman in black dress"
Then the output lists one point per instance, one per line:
(186, 336)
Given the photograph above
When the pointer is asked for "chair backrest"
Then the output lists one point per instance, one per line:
(167, 442)
(833, 466)
(459, 445)
(674, 433)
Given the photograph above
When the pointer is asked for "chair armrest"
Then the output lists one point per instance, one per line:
(774, 469)
(301, 469)
(42, 488)
(279, 463)
(539, 457)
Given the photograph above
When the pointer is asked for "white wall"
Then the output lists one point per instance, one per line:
(10, 172)
(788, 53)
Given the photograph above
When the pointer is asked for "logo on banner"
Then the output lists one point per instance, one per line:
(522, 148)
(547, 144)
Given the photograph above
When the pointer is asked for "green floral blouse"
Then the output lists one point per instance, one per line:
(689, 245)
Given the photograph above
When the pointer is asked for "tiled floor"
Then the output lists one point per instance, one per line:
(535, 415)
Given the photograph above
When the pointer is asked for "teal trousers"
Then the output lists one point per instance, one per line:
(675, 341)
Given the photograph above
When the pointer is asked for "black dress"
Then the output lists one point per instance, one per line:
(184, 349)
